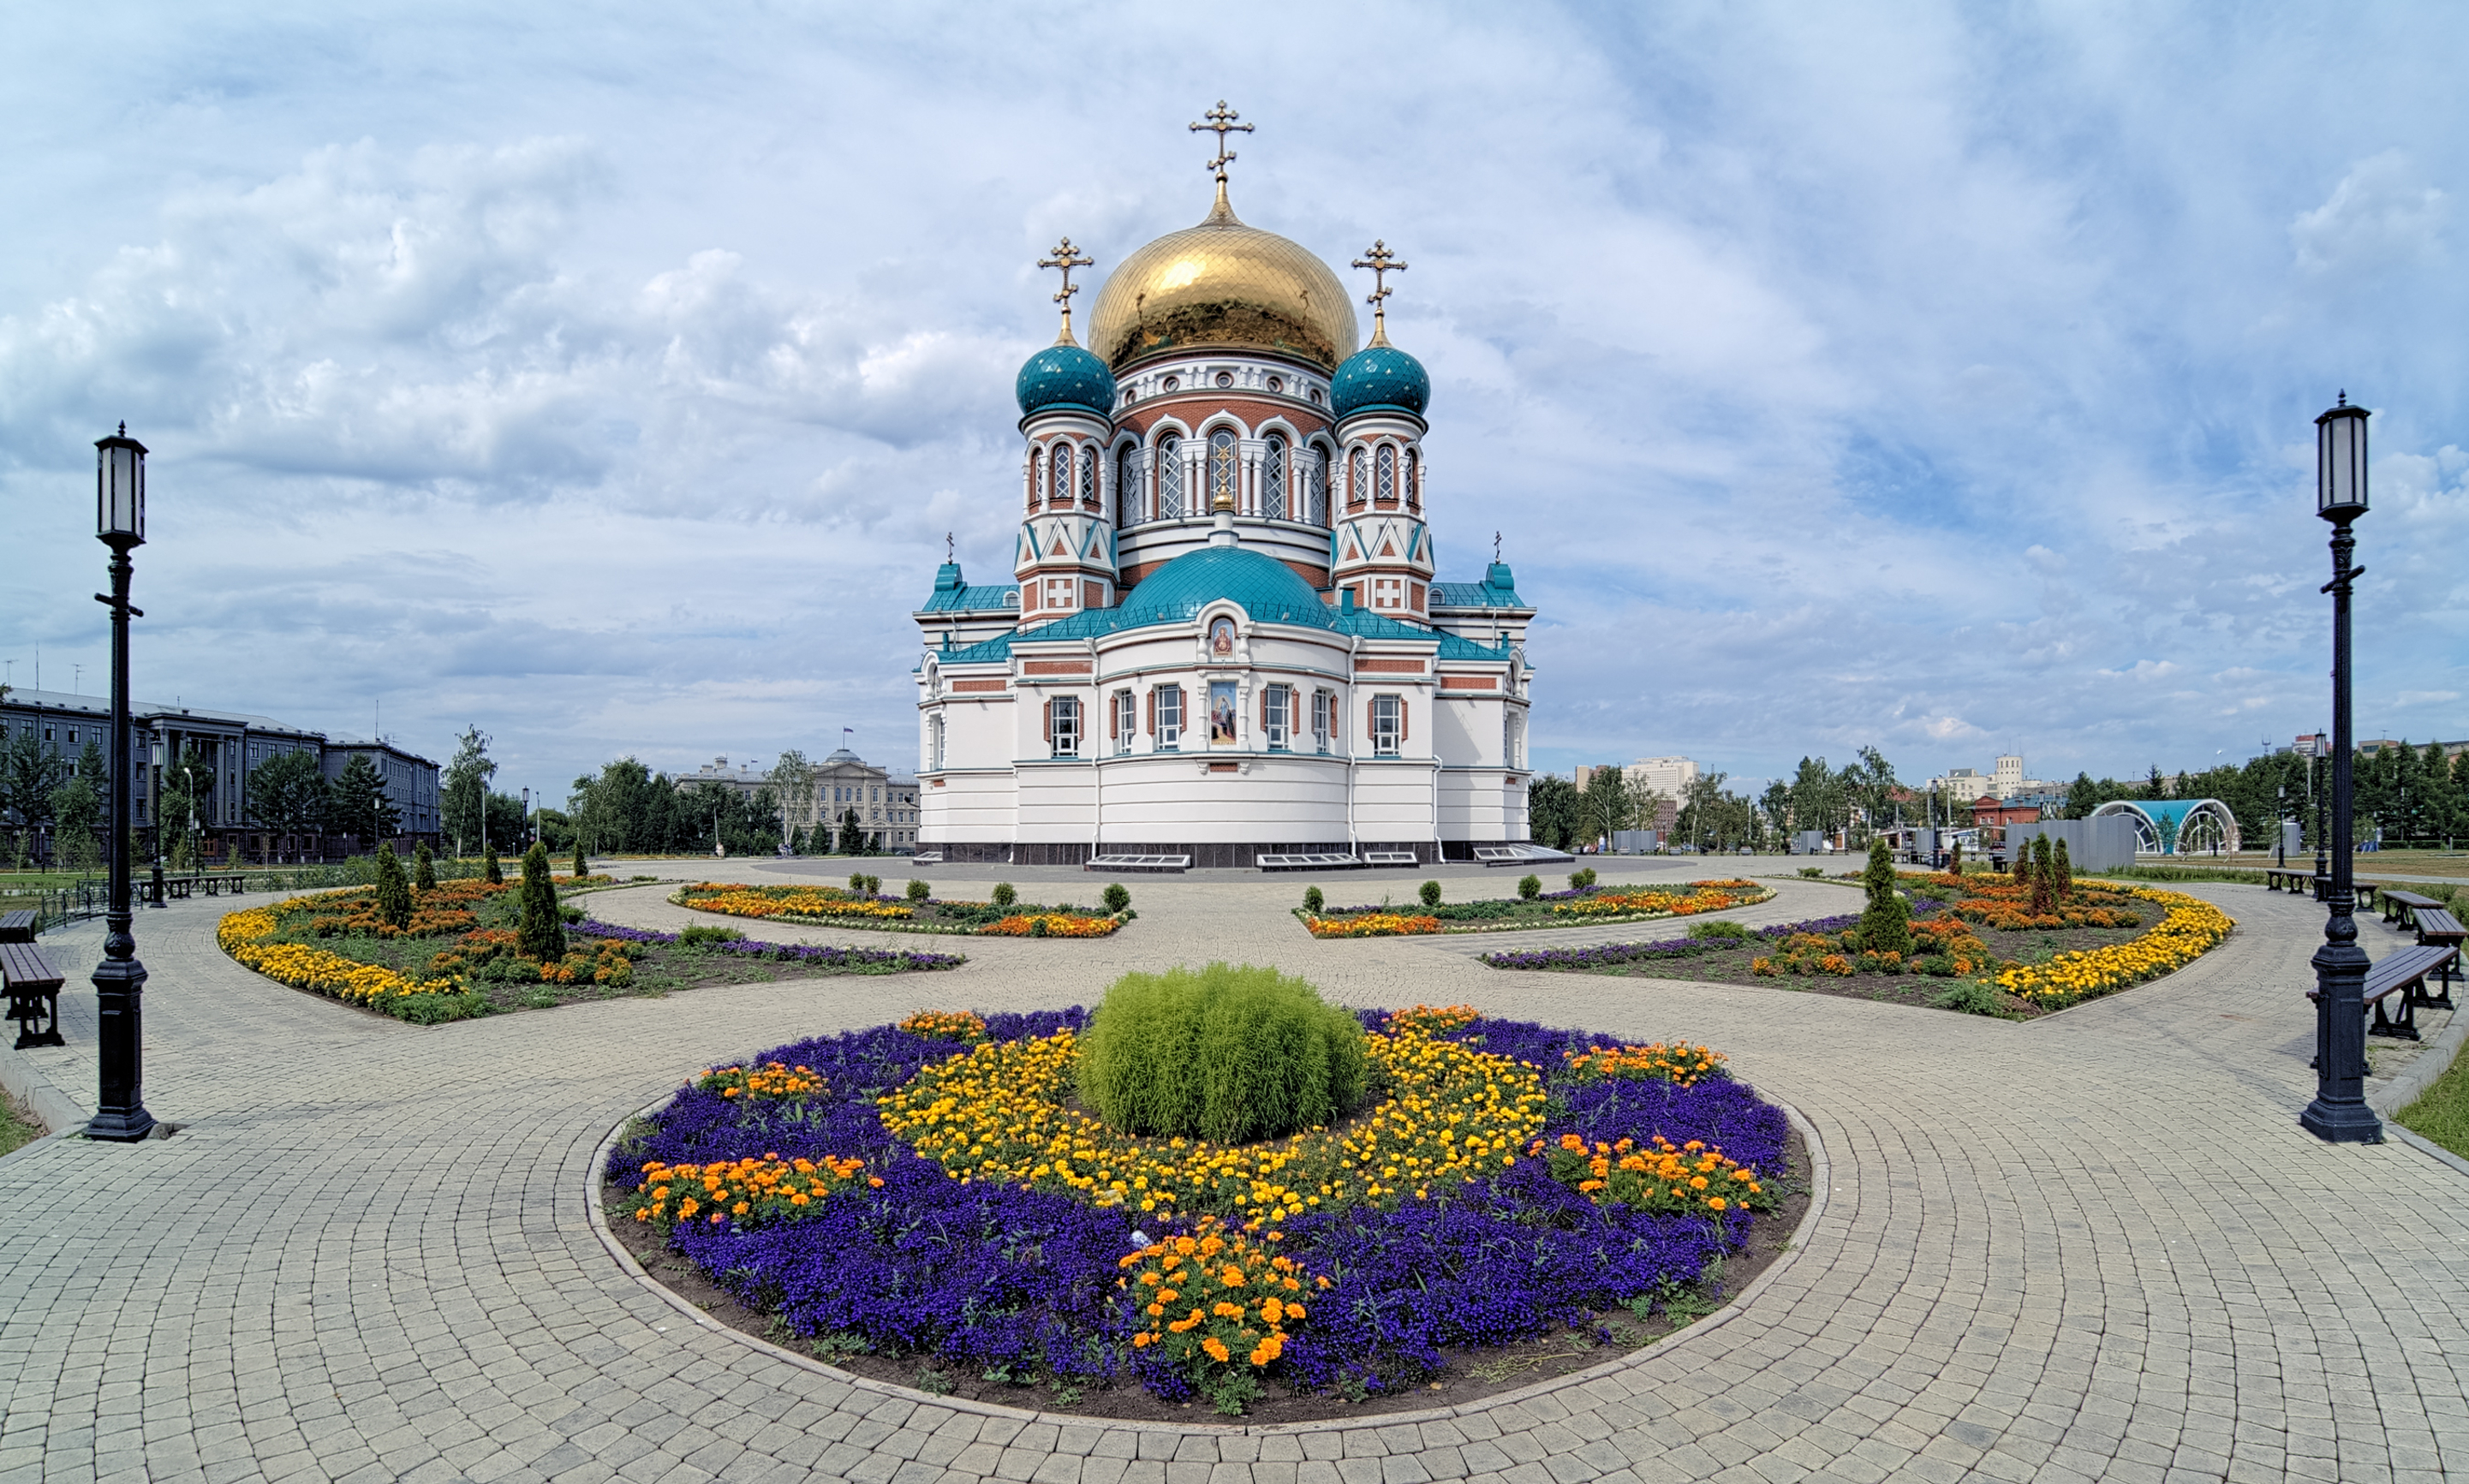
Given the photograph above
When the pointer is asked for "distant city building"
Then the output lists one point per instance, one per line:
(234, 744)
(886, 802)
(2008, 773)
(1670, 777)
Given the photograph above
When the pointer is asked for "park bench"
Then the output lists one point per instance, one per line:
(2401, 908)
(2439, 928)
(34, 994)
(2294, 878)
(17, 927)
(2399, 977)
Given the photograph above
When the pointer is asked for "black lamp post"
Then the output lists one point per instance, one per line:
(120, 980)
(2339, 1113)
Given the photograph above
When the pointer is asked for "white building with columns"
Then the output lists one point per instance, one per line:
(1224, 637)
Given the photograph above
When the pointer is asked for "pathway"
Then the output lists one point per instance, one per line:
(2095, 1246)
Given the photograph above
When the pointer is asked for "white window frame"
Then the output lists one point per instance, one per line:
(1278, 706)
(1387, 735)
(1065, 741)
(1323, 704)
(1127, 722)
(1169, 733)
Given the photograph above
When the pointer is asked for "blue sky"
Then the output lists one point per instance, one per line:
(1934, 377)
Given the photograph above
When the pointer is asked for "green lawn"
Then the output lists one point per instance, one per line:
(2442, 1115)
(17, 1125)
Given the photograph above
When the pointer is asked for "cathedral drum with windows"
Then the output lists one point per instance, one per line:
(1223, 639)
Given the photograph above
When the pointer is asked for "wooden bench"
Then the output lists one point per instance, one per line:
(17, 927)
(2401, 908)
(2439, 928)
(34, 994)
(2294, 878)
(2401, 973)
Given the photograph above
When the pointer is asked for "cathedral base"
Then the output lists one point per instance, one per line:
(1206, 855)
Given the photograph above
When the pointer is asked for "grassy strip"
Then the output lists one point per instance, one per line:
(17, 1125)
(2442, 1113)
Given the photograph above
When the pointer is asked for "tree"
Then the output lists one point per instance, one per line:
(1552, 811)
(1701, 804)
(792, 790)
(2082, 796)
(2062, 864)
(2156, 786)
(505, 829)
(288, 794)
(1605, 804)
(1886, 924)
(361, 805)
(462, 794)
(490, 871)
(540, 931)
(852, 837)
(394, 893)
(76, 811)
(1873, 786)
(424, 868)
(1820, 800)
(29, 772)
(627, 807)
(1776, 803)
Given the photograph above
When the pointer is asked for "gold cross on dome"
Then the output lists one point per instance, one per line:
(1067, 258)
(1382, 263)
(1221, 122)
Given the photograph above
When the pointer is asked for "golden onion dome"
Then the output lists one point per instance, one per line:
(1222, 283)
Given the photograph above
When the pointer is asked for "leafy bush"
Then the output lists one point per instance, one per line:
(857, 882)
(874, 886)
(1724, 928)
(1005, 895)
(1226, 1054)
(1118, 896)
(1581, 880)
(394, 893)
(1430, 894)
(1313, 900)
(1886, 927)
(1814, 872)
(920, 890)
(1973, 998)
(541, 928)
(704, 932)
(1529, 887)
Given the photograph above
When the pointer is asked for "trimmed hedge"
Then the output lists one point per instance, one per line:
(1228, 1054)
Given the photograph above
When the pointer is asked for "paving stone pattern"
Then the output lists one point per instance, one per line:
(2093, 1247)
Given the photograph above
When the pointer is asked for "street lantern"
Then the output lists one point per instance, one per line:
(2339, 1113)
(120, 980)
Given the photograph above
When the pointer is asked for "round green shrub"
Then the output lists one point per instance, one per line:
(874, 886)
(1529, 887)
(1430, 894)
(1118, 896)
(1313, 901)
(695, 934)
(1005, 895)
(1229, 1054)
(1720, 928)
(857, 883)
(920, 890)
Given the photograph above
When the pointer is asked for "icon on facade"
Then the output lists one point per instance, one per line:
(1221, 638)
(1221, 708)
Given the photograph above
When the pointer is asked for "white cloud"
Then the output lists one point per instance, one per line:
(2381, 214)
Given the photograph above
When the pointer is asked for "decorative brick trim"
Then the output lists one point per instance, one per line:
(1054, 667)
(968, 687)
(1469, 683)
(1375, 665)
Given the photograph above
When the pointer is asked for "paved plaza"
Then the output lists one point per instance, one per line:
(2097, 1246)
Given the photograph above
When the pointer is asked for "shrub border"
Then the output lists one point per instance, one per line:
(1822, 1170)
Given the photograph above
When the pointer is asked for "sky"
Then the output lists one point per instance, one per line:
(1938, 378)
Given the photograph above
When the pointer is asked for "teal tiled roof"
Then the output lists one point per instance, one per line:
(1497, 589)
(1262, 586)
(952, 595)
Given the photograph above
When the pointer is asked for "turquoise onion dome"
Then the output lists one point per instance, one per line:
(1063, 375)
(1379, 375)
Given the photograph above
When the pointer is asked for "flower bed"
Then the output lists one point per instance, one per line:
(1611, 955)
(330, 942)
(933, 1196)
(2191, 928)
(829, 904)
(1584, 906)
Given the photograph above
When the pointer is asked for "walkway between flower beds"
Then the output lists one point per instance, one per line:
(2096, 1245)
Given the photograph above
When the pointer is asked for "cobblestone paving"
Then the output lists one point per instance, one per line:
(2093, 1247)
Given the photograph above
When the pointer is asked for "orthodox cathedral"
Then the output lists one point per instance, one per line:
(1223, 645)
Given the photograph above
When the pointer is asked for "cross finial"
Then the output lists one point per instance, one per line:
(1067, 258)
(1382, 263)
(1495, 548)
(1221, 122)
(947, 545)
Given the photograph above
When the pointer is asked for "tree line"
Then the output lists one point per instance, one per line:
(629, 810)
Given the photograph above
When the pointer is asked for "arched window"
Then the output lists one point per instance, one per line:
(1224, 485)
(1359, 478)
(1058, 474)
(1169, 460)
(1273, 479)
(1316, 484)
(1414, 488)
(1127, 483)
(1029, 464)
(1386, 491)
(1089, 476)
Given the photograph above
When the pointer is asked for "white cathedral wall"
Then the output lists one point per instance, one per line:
(1392, 799)
(1277, 798)
(973, 807)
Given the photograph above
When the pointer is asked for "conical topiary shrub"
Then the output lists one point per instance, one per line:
(1886, 925)
(543, 929)
(581, 869)
(491, 871)
(424, 868)
(2044, 878)
(394, 893)
(2063, 884)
